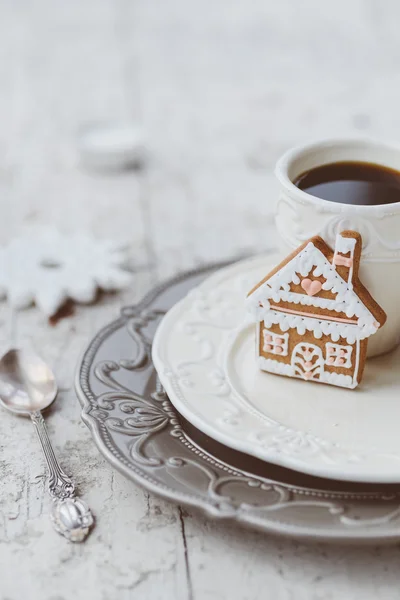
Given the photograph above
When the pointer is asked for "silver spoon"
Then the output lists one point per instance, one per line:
(28, 386)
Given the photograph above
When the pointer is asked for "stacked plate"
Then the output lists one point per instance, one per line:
(174, 399)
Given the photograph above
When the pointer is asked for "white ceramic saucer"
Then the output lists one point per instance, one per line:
(205, 357)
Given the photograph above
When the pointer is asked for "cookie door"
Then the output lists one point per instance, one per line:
(308, 362)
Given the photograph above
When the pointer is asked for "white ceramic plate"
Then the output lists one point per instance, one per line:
(205, 357)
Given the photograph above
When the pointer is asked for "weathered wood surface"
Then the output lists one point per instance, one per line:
(221, 89)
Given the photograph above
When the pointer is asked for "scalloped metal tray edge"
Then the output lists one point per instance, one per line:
(140, 433)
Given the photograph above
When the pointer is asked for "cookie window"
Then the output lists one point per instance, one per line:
(275, 343)
(338, 356)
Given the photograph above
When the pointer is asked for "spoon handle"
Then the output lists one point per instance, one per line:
(70, 515)
(60, 485)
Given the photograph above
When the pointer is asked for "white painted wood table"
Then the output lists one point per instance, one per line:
(221, 89)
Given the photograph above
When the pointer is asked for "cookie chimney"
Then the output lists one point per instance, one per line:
(347, 254)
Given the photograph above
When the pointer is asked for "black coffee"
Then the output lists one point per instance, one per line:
(352, 183)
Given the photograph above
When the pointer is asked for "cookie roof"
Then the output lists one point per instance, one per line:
(315, 258)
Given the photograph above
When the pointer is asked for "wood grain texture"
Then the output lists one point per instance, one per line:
(221, 89)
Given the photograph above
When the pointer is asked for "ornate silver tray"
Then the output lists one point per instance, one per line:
(139, 432)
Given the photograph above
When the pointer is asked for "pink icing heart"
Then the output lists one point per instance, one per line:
(311, 287)
(307, 375)
(308, 364)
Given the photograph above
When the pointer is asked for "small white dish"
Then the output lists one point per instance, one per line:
(204, 353)
(112, 146)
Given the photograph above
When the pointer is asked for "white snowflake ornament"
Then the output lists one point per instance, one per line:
(46, 268)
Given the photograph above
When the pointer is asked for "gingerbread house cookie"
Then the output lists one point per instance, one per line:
(314, 316)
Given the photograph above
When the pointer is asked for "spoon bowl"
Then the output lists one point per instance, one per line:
(27, 384)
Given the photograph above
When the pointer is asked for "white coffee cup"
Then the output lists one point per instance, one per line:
(300, 216)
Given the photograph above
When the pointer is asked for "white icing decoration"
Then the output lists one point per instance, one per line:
(46, 267)
(333, 351)
(338, 379)
(319, 327)
(275, 344)
(357, 363)
(345, 244)
(274, 366)
(302, 354)
(280, 368)
(277, 288)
